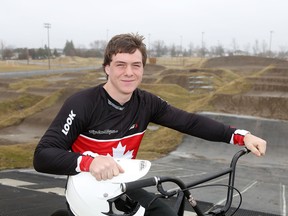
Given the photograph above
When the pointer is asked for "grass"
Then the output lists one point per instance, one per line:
(24, 84)
(16, 116)
(10, 66)
(22, 102)
(172, 93)
(16, 156)
(159, 143)
(61, 62)
(180, 62)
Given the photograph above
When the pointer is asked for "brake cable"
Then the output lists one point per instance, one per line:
(220, 185)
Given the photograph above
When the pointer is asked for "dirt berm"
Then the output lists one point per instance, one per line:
(267, 92)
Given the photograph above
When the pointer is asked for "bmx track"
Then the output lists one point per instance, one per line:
(262, 181)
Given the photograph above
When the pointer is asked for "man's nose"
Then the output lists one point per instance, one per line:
(129, 70)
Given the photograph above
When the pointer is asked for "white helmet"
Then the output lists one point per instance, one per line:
(88, 197)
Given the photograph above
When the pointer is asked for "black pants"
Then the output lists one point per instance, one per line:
(156, 208)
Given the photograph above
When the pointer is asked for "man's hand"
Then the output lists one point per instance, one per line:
(255, 144)
(104, 167)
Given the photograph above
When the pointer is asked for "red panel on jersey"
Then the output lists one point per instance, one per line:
(126, 147)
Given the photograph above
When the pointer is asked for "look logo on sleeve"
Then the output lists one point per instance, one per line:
(68, 123)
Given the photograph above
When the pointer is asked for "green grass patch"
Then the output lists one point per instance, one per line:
(60, 62)
(16, 156)
(15, 117)
(10, 66)
(159, 143)
(8, 107)
(24, 84)
(172, 93)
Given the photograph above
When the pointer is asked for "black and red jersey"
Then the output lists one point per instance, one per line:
(91, 120)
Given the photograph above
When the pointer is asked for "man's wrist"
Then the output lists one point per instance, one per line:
(83, 163)
(238, 137)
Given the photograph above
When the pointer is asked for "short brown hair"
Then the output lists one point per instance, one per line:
(125, 43)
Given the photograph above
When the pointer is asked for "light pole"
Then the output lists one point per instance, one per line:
(202, 44)
(48, 26)
(270, 43)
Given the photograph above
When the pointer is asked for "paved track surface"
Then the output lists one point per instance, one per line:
(262, 181)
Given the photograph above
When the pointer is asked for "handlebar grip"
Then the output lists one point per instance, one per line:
(129, 186)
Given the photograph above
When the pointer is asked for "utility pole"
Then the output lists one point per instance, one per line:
(202, 44)
(270, 43)
(48, 26)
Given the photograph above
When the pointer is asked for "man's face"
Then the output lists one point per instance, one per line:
(124, 73)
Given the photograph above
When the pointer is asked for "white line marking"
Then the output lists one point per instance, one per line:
(14, 183)
(243, 191)
(247, 188)
(55, 190)
(21, 184)
(283, 200)
(187, 213)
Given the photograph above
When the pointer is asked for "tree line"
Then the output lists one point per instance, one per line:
(155, 49)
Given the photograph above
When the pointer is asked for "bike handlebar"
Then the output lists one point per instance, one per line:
(147, 182)
(156, 181)
(152, 181)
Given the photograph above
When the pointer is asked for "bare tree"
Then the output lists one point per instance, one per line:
(7, 53)
(219, 50)
(173, 51)
(159, 48)
(98, 44)
(283, 52)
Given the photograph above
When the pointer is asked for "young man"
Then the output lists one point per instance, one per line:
(114, 116)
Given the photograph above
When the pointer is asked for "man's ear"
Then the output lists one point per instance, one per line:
(107, 70)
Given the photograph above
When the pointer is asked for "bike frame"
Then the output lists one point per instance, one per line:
(184, 187)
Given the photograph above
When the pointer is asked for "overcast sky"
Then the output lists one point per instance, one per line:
(172, 21)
